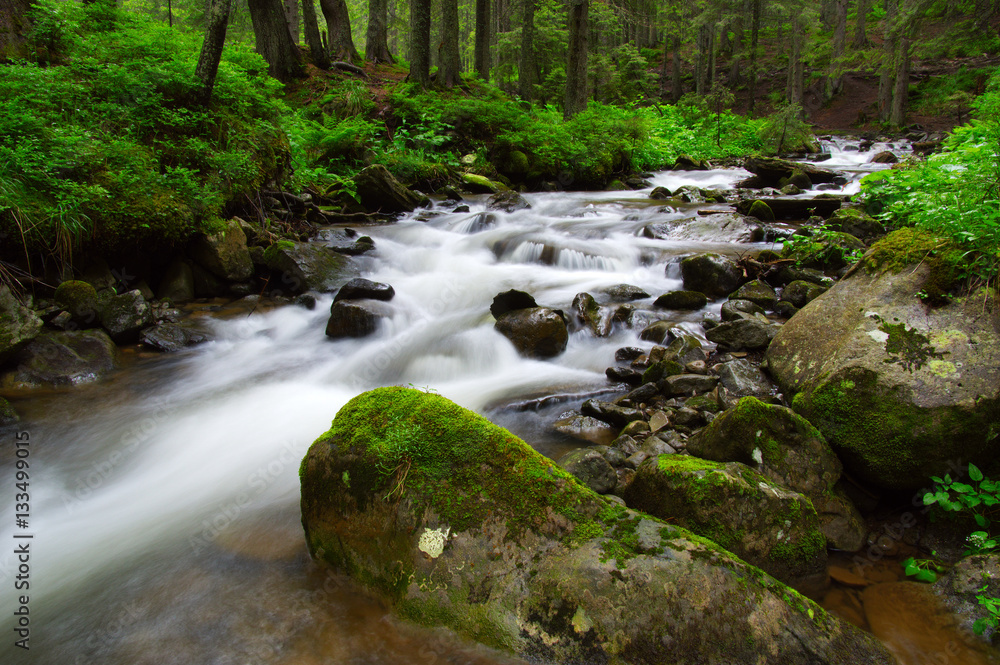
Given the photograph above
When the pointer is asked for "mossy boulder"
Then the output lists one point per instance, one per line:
(590, 314)
(299, 267)
(590, 468)
(224, 253)
(18, 325)
(536, 332)
(177, 284)
(738, 508)
(800, 292)
(898, 388)
(831, 251)
(762, 211)
(770, 171)
(125, 315)
(478, 184)
(455, 522)
(56, 359)
(758, 292)
(79, 298)
(857, 223)
(743, 334)
(787, 449)
(735, 309)
(684, 300)
(712, 274)
(507, 201)
(8, 416)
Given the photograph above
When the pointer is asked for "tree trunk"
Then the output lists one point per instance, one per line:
(834, 81)
(292, 18)
(734, 65)
(377, 38)
(860, 36)
(211, 49)
(310, 26)
(14, 28)
(793, 92)
(338, 26)
(527, 66)
(420, 42)
(576, 70)
(901, 84)
(274, 42)
(483, 34)
(754, 34)
(712, 48)
(888, 55)
(676, 89)
(451, 65)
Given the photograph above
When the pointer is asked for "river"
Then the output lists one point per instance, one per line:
(165, 500)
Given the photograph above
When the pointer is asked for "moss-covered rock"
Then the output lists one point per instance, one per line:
(857, 223)
(590, 314)
(223, 253)
(79, 298)
(536, 332)
(18, 325)
(899, 389)
(478, 184)
(8, 416)
(789, 451)
(712, 274)
(801, 292)
(738, 508)
(457, 523)
(832, 251)
(125, 315)
(686, 300)
(300, 267)
(758, 292)
(743, 334)
(761, 211)
(379, 191)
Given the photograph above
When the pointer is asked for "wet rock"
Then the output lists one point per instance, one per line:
(590, 468)
(791, 452)
(503, 525)
(55, 359)
(884, 157)
(536, 332)
(627, 353)
(345, 241)
(682, 300)
(856, 223)
(791, 273)
(658, 332)
(592, 315)
(302, 267)
(723, 227)
(379, 191)
(169, 337)
(796, 208)
(8, 416)
(737, 508)
(899, 389)
(18, 325)
(123, 316)
(625, 292)
(478, 184)
(690, 194)
(224, 254)
(758, 292)
(660, 194)
(785, 309)
(769, 172)
(586, 428)
(355, 318)
(960, 586)
(619, 416)
(742, 379)
(510, 301)
(508, 201)
(742, 335)
(712, 274)
(689, 163)
(206, 284)
(79, 298)
(790, 190)
(640, 395)
(800, 292)
(735, 309)
(687, 384)
(624, 375)
(360, 288)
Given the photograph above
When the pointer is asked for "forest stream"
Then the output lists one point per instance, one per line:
(166, 499)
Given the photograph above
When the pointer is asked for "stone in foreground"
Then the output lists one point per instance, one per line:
(457, 523)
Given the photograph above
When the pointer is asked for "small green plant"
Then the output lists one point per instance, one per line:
(992, 618)
(980, 499)
(922, 570)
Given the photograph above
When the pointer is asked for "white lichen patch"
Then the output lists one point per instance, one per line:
(879, 336)
(432, 541)
(757, 455)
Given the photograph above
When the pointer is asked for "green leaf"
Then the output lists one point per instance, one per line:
(981, 520)
(975, 473)
(962, 488)
(930, 499)
(926, 576)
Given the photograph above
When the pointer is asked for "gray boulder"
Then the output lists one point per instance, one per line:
(586, 428)
(898, 388)
(712, 274)
(801, 292)
(742, 334)
(379, 191)
(536, 332)
(360, 288)
(123, 316)
(18, 325)
(460, 524)
(507, 201)
(224, 253)
(590, 468)
(56, 359)
(741, 379)
(302, 267)
(758, 292)
(177, 284)
(355, 318)
(733, 310)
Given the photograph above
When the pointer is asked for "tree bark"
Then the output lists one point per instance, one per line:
(483, 34)
(338, 25)
(420, 42)
(377, 37)
(901, 84)
(888, 55)
(754, 34)
(14, 28)
(860, 36)
(576, 70)
(451, 64)
(526, 67)
(317, 51)
(211, 48)
(274, 42)
(292, 17)
(734, 64)
(676, 89)
(793, 91)
(834, 81)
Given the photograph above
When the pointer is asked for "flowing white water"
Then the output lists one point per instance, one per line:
(164, 502)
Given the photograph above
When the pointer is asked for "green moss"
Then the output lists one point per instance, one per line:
(907, 247)
(75, 296)
(761, 211)
(809, 547)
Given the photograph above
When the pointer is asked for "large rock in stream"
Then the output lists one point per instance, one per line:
(898, 387)
(18, 325)
(302, 266)
(55, 359)
(456, 522)
(771, 171)
(379, 191)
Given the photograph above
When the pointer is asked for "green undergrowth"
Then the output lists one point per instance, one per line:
(102, 141)
(954, 195)
(946, 261)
